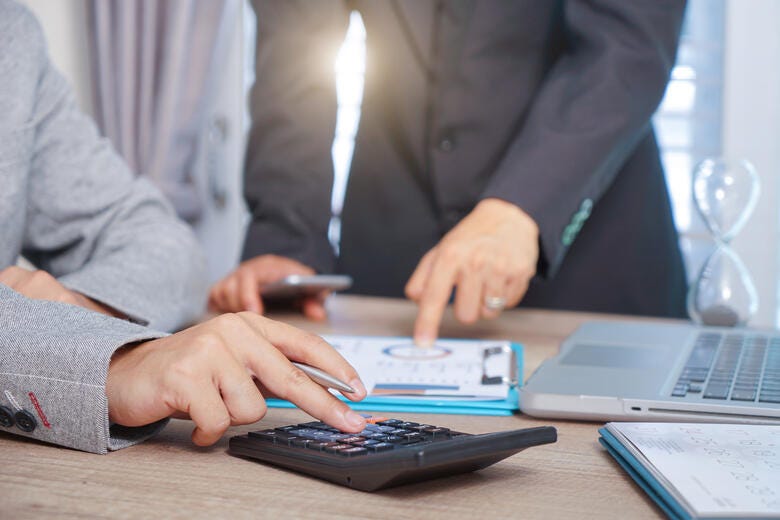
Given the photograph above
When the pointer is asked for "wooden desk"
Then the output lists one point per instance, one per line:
(170, 477)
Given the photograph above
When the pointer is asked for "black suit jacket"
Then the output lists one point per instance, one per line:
(545, 104)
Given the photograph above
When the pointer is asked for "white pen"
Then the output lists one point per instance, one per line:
(323, 378)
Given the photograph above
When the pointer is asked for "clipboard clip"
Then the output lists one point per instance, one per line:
(499, 380)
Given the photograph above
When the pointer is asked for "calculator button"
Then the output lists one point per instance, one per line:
(274, 436)
(377, 428)
(300, 442)
(318, 425)
(324, 446)
(286, 428)
(382, 446)
(314, 424)
(389, 422)
(436, 431)
(303, 432)
(394, 439)
(352, 451)
(265, 435)
(319, 446)
(336, 448)
(406, 425)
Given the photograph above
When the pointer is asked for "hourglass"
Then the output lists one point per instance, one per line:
(725, 192)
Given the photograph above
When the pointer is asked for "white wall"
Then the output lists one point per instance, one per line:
(65, 25)
(751, 129)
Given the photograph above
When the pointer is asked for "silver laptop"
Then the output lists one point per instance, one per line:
(659, 372)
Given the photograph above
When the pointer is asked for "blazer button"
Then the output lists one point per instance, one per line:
(586, 207)
(25, 421)
(569, 235)
(6, 417)
(446, 144)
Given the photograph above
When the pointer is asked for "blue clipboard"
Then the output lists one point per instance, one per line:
(642, 476)
(447, 406)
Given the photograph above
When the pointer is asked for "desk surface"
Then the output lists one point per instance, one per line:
(170, 477)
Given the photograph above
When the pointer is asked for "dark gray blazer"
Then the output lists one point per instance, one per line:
(545, 104)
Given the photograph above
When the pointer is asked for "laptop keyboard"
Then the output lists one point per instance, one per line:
(732, 366)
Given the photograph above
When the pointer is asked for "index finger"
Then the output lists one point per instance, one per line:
(308, 348)
(433, 301)
(277, 374)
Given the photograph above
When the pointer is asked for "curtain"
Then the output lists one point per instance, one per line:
(153, 69)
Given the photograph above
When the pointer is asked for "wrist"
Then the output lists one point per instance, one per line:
(503, 210)
(120, 377)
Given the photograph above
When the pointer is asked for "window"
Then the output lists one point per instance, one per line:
(689, 121)
(350, 73)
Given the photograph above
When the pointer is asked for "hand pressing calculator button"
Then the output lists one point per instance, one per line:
(389, 452)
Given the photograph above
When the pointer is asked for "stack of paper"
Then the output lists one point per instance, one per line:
(454, 376)
(702, 470)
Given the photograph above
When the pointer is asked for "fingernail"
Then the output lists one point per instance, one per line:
(358, 386)
(354, 420)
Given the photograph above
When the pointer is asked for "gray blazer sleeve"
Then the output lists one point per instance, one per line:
(590, 112)
(53, 372)
(90, 222)
(71, 205)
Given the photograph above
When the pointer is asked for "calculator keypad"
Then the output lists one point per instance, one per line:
(380, 435)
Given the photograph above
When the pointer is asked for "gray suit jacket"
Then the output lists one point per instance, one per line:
(72, 207)
(543, 103)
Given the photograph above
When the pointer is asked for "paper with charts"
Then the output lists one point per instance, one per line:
(719, 470)
(462, 370)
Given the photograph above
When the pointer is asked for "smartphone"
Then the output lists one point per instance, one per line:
(296, 286)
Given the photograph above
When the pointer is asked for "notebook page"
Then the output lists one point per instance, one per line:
(713, 470)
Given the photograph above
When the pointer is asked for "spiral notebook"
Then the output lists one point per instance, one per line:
(701, 471)
(478, 377)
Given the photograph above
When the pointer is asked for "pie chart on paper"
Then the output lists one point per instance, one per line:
(411, 352)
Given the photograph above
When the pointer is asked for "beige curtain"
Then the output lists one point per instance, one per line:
(152, 63)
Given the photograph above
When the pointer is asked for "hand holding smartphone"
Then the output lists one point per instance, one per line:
(297, 286)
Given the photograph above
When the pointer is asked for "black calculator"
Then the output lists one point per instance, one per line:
(389, 452)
